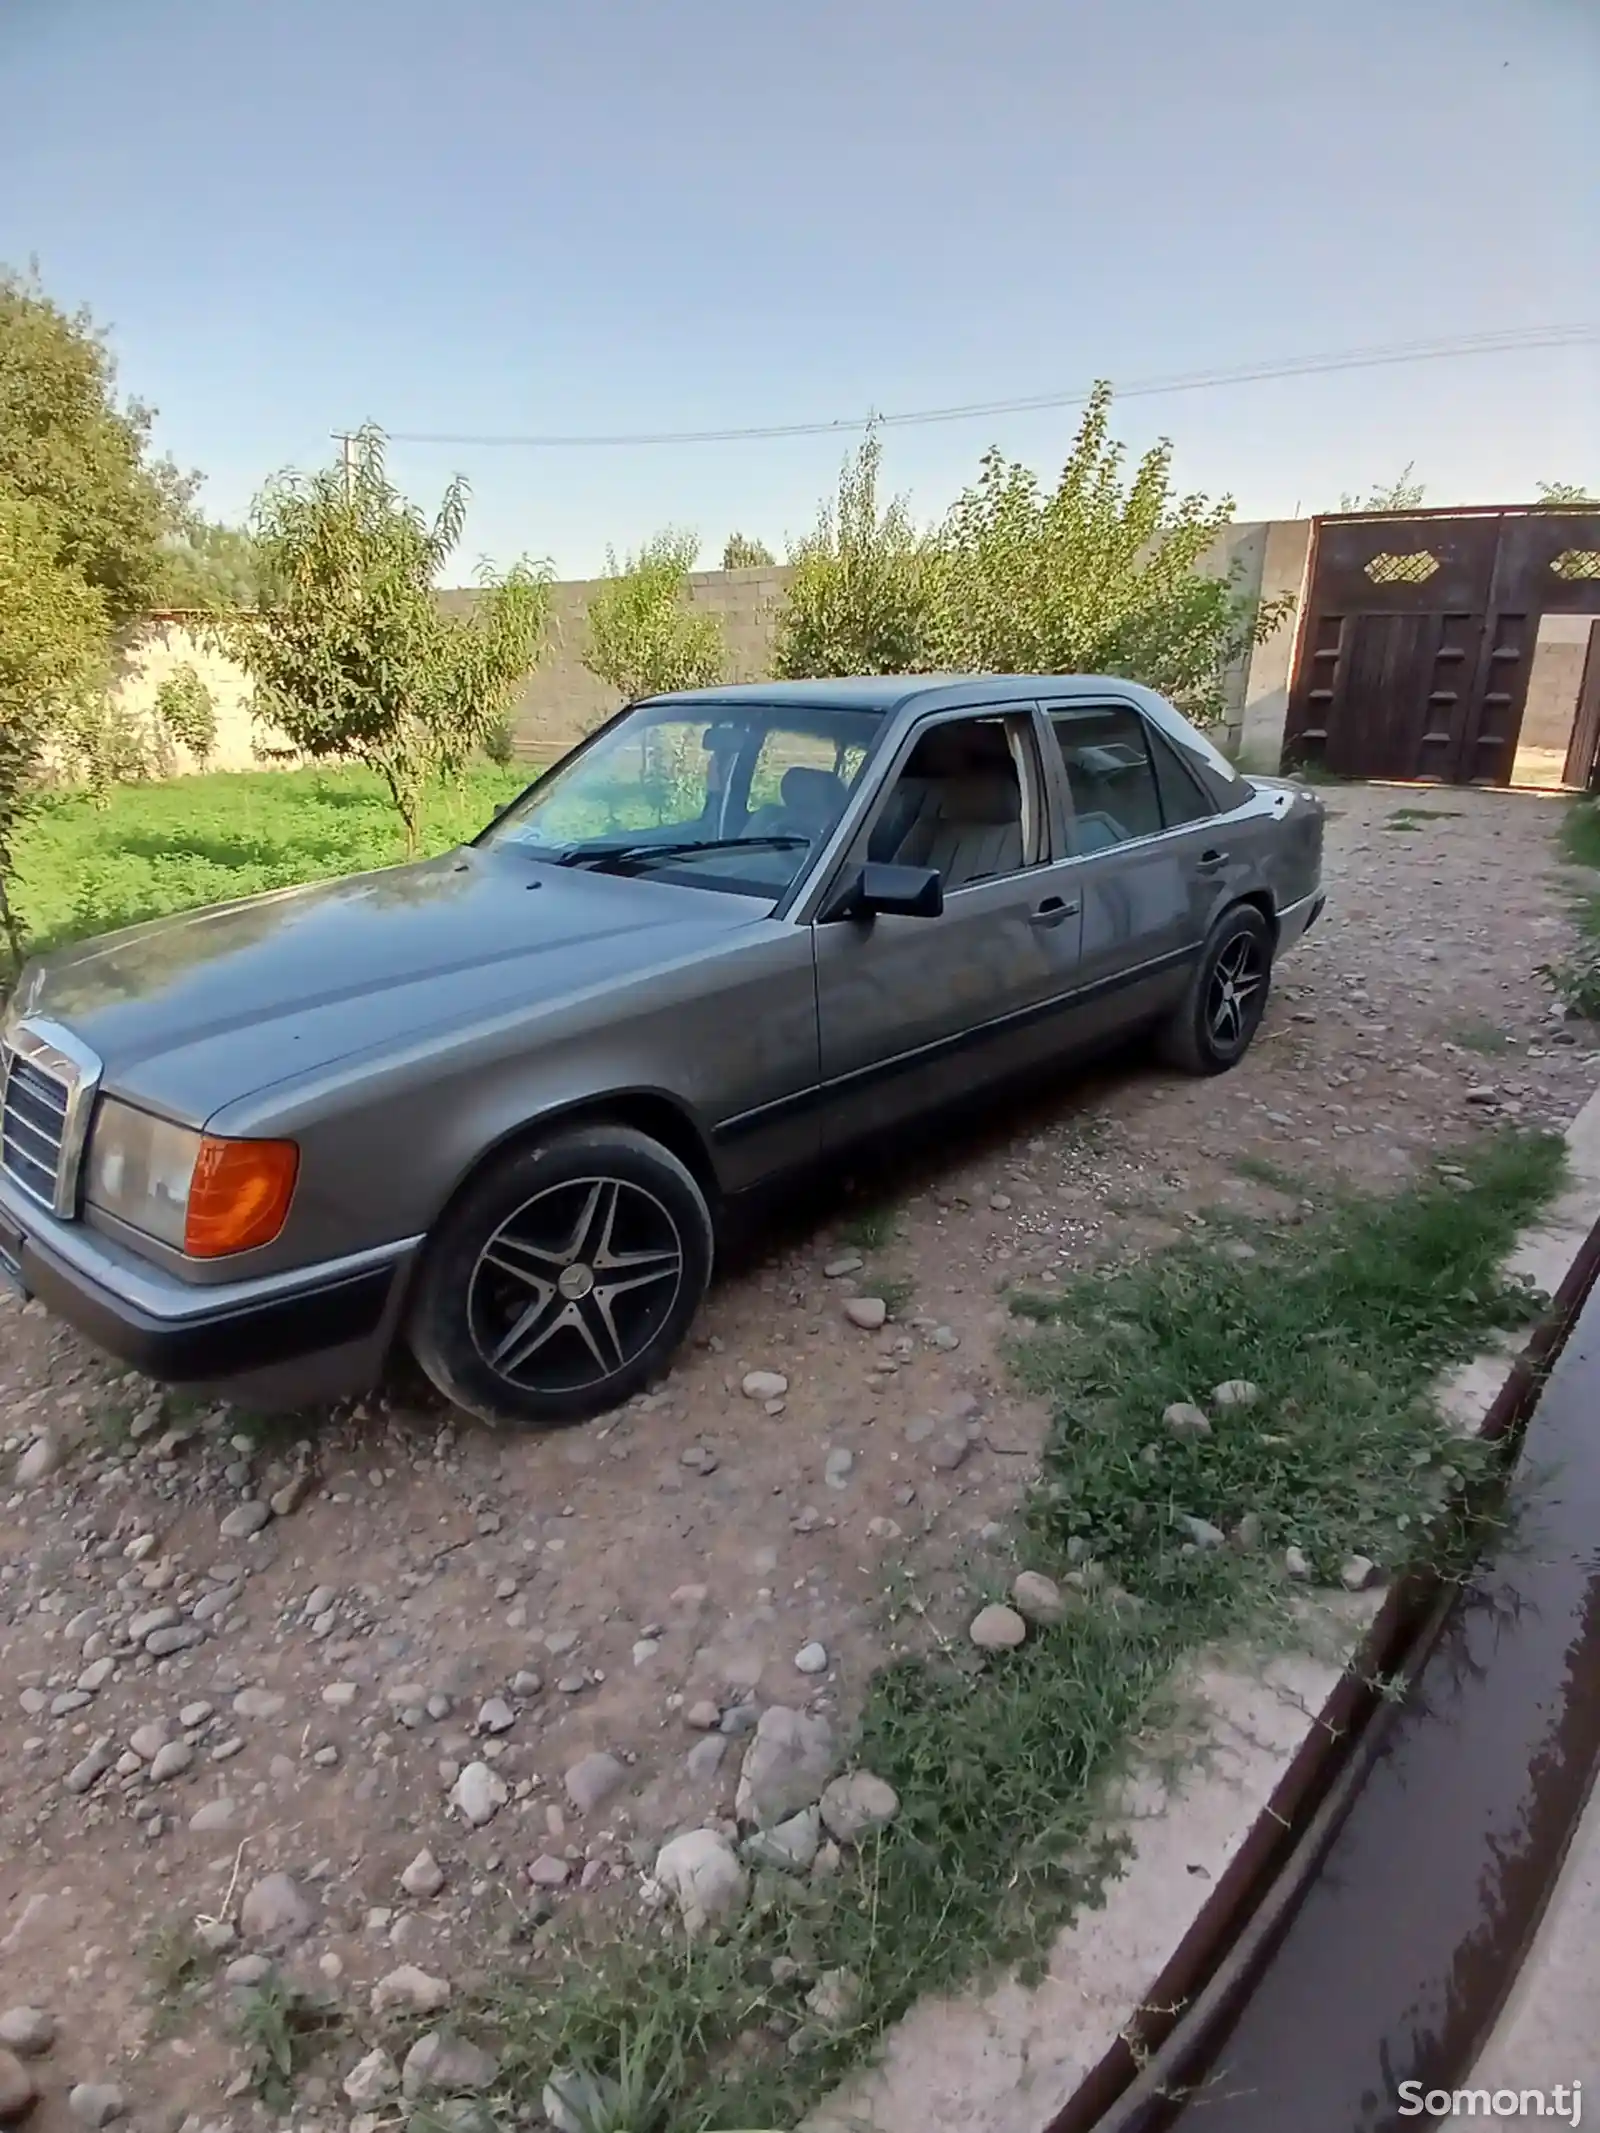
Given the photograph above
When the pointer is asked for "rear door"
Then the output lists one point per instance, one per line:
(914, 1012)
(1152, 859)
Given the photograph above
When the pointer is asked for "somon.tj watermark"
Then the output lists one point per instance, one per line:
(1564, 2103)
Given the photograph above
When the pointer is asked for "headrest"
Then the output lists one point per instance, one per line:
(817, 795)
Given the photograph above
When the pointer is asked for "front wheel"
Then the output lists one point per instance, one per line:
(1227, 996)
(563, 1279)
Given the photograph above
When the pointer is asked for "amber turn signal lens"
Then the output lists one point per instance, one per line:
(239, 1196)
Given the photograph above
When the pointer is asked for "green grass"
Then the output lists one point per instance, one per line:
(1576, 977)
(1580, 833)
(1482, 1037)
(1001, 1768)
(282, 2028)
(166, 847)
(896, 1291)
(180, 1966)
(869, 1230)
(1413, 818)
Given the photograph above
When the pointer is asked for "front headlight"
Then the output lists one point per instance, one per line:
(203, 1196)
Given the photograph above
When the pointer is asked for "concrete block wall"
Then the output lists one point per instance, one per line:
(149, 654)
(1554, 675)
(561, 700)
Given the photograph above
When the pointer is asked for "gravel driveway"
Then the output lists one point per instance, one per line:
(228, 1654)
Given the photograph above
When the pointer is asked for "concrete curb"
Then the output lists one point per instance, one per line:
(1009, 2060)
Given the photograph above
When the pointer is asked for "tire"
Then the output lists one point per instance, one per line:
(514, 1317)
(1212, 1030)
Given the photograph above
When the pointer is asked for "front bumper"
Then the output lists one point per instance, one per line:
(277, 1339)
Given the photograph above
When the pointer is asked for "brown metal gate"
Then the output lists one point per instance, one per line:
(1417, 633)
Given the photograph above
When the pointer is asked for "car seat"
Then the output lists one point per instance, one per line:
(809, 803)
(956, 807)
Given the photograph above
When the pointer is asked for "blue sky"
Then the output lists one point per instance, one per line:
(538, 215)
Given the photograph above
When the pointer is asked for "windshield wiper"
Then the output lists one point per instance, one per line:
(617, 858)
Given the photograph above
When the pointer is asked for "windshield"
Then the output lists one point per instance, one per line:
(733, 797)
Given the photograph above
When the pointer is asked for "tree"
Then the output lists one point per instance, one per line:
(206, 566)
(1402, 494)
(644, 636)
(860, 600)
(1561, 493)
(186, 713)
(350, 651)
(1096, 575)
(741, 552)
(79, 457)
(54, 648)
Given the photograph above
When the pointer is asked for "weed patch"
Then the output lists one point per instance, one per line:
(283, 2029)
(896, 1290)
(868, 1230)
(1576, 977)
(1482, 1037)
(1001, 1766)
(1417, 818)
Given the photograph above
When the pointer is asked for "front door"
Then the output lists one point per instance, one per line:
(915, 1012)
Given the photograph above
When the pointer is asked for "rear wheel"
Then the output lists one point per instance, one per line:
(563, 1279)
(1227, 996)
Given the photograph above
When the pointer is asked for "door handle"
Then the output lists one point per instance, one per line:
(1210, 861)
(1054, 910)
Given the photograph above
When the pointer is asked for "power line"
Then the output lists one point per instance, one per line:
(1192, 381)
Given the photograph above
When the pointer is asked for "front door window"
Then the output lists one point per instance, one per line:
(966, 804)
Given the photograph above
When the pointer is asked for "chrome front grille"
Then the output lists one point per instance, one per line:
(48, 1081)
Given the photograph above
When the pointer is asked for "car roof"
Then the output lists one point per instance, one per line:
(897, 692)
(888, 695)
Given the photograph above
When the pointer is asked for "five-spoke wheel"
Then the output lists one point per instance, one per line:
(563, 1278)
(1226, 998)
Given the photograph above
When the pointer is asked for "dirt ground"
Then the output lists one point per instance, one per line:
(427, 1596)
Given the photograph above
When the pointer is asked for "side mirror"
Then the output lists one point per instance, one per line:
(884, 891)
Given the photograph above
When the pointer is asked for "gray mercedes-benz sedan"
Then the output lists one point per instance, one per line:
(494, 1106)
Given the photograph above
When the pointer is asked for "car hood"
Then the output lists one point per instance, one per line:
(195, 1011)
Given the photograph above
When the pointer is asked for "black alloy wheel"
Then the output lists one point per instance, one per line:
(563, 1279)
(1226, 997)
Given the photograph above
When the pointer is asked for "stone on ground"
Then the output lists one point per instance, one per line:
(371, 2079)
(96, 2103)
(592, 1781)
(854, 1805)
(274, 1912)
(702, 1870)
(411, 1989)
(997, 1629)
(1236, 1392)
(424, 1877)
(27, 2031)
(1038, 1598)
(442, 2065)
(478, 1794)
(786, 1765)
(764, 1385)
(18, 2089)
(790, 1847)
